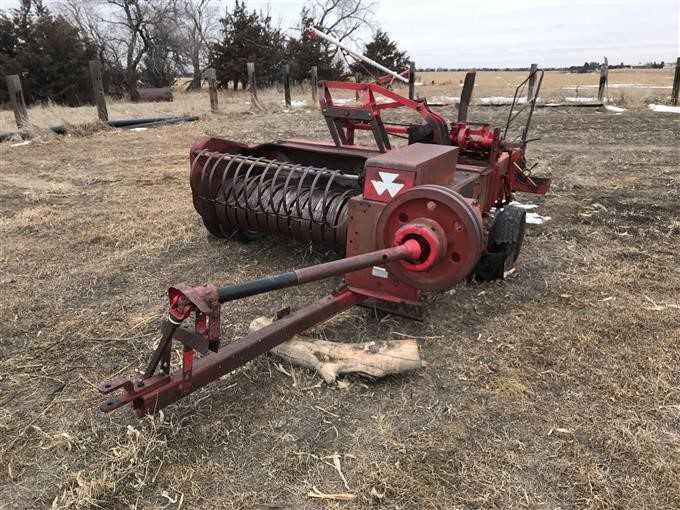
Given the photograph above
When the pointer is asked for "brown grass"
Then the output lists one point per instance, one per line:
(446, 87)
(554, 389)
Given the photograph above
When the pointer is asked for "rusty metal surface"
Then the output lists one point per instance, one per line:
(457, 217)
(157, 392)
(434, 164)
(408, 250)
(372, 281)
(235, 193)
(296, 151)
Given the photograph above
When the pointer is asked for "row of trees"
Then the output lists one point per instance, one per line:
(152, 42)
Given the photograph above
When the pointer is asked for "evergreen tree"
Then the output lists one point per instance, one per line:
(248, 36)
(385, 52)
(49, 54)
(309, 50)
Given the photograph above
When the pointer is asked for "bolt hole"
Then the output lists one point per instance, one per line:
(403, 217)
(433, 229)
(455, 257)
(107, 385)
(384, 257)
(109, 403)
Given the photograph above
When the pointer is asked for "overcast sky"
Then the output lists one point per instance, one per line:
(502, 33)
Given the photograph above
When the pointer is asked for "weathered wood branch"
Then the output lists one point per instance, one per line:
(330, 359)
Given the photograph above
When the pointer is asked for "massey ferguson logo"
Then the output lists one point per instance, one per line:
(382, 185)
(386, 183)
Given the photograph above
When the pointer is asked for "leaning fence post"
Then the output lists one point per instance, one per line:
(532, 82)
(286, 84)
(604, 77)
(676, 84)
(211, 76)
(315, 82)
(16, 97)
(412, 80)
(98, 90)
(466, 96)
(250, 67)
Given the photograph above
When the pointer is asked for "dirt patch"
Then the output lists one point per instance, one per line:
(556, 388)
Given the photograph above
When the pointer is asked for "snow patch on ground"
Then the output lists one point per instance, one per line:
(298, 103)
(21, 144)
(444, 99)
(619, 86)
(533, 218)
(139, 129)
(528, 207)
(499, 100)
(614, 109)
(342, 100)
(536, 219)
(664, 108)
(581, 99)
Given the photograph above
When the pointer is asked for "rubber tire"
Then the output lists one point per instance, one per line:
(213, 231)
(248, 236)
(505, 242)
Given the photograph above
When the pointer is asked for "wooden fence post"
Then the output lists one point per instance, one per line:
(252, 86)
(286, 84)
(98, 90)
(211, 76)
(412, 80)
(676, 84)
(466, 96)
(315, 82)
(356, 92)
(532, 82)
(16, 98)
(604, 78)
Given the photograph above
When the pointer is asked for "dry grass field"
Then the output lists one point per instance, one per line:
(557, 388)
(628, 88)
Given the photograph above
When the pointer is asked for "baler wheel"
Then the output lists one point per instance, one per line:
(454, 214)
(247, 236)
(504, 244)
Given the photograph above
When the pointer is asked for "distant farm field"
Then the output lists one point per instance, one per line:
(630, 87)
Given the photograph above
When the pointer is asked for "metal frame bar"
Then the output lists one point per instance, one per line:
(152, 394)
(519, 92)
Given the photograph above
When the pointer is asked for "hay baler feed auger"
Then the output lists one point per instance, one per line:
(409, 219)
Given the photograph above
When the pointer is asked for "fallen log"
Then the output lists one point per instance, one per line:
(154, 95)
(330, 359)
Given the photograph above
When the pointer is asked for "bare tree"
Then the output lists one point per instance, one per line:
(123, 29)
(198, 21)
(132, 22)
(88, 18)
(341, 18)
